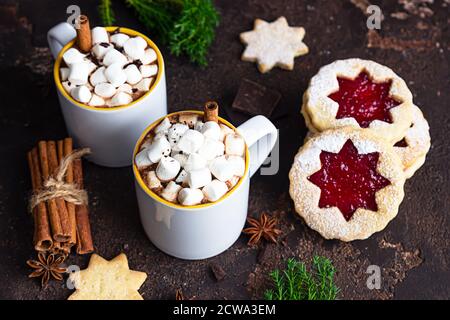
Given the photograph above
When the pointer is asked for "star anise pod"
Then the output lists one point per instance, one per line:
(47, 266)
(265, 228)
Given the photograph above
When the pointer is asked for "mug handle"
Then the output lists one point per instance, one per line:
(253, 131)
(59, 36)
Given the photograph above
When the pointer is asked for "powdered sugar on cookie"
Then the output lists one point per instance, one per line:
(273, 44)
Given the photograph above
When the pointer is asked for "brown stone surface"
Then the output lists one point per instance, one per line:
(413, 251)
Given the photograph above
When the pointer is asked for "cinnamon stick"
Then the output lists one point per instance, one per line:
(84, 34)
(211, 110)
(55, 223)
(62, 213)
(65, 147)
(84, 236)
(42, 237)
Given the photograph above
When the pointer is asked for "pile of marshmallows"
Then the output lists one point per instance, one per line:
(197, 161)
(122, 65)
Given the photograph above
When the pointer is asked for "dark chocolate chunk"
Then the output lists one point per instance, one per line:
(217, 271)
(254, 99)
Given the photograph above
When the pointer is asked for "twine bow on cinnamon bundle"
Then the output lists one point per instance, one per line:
(58, 188)
(59, 202)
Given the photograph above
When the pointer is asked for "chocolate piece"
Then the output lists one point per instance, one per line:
(254, 99)
(217, 271)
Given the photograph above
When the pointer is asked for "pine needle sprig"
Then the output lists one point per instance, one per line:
(157, 15)
(297, 283)
(187, 26)
(106, 12)
(194, 31)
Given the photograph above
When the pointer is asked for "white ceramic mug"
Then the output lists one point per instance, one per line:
(205, 230)
(111, 133)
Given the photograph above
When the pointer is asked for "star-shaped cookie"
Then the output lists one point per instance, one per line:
(107, 280)
(273, 44)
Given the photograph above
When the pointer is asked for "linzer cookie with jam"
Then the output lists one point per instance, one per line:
(347, 183)
(360, 94)
(413, 148)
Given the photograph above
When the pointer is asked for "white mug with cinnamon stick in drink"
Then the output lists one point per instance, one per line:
(192, 174)
(110, 84)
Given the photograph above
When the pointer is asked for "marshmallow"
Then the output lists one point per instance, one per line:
(158, 148)
(238, 165)
(149, 56)
(163, 126)
(68, 86)
(144, 84)
(232, 182)
(115, 74)
(190, 197)
(167, 169)
(119, 39)
(170, 192)
(125, 88)
(211, 130)
(114, 56)
(221, 169)
(72, 56)
(105, 90)
(234, 145)
(188, 119)
(98, 76)
(198, 126)
(215, 190)
(135, 48)
(191, 141)
(81, 94)
(142, 159)
(182, 177)
(64, 73)
(100, 49)
(133, 74)
(148, 70)
(153, 181)
(194, 162)
(99, 34)
(91, 66)
(79, 73)
(120, 99)
(224, 130)
(146, 144)
(96, 101)
(198, 178)
(175, 132)
(211, 149)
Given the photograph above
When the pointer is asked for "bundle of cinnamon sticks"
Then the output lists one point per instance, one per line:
(58, 224)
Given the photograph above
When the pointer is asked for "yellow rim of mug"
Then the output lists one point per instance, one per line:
(164, 201)
(129, 32)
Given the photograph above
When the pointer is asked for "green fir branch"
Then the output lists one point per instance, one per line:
(106, 12)
(187, 26)
(297, 283)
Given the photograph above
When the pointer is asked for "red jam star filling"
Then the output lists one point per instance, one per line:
(364, 100)
(348, 180)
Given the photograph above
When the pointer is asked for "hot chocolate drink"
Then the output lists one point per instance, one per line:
(115, 70)
(189, 159)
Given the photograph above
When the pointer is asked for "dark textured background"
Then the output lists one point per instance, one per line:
(413, 251)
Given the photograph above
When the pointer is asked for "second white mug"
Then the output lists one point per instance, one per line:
(111, 133)
(205, 230)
